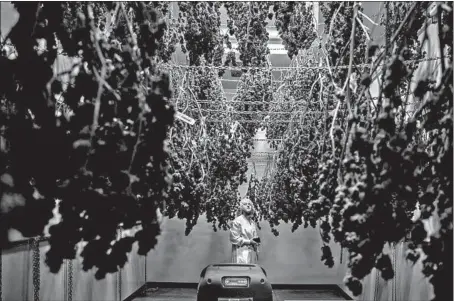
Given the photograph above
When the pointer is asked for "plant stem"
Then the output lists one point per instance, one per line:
(350, 63)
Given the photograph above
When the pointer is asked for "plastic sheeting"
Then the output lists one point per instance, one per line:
(409, 284)
(70, 283)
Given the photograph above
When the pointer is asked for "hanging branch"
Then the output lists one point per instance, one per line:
(78, 166)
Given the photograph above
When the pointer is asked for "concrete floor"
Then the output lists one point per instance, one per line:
(186, 294)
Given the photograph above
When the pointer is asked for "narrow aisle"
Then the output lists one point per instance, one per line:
(186, 294)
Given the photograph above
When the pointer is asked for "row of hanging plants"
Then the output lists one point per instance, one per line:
(378, 159)
(105, 161)
(208, 161)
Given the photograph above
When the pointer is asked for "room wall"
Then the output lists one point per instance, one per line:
(288, 258)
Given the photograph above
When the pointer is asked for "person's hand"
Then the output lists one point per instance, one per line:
(253, 243)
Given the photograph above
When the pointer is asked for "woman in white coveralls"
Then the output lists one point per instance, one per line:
(243, 230)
